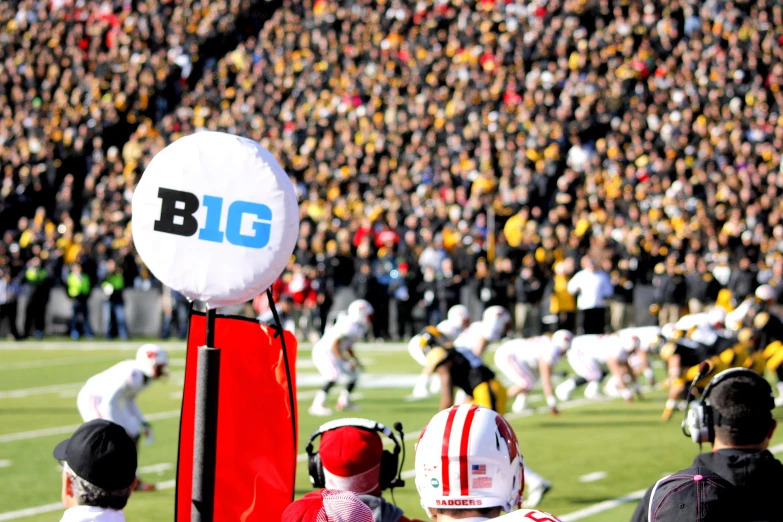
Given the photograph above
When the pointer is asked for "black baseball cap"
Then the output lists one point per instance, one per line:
(102, 453)
(694, 494)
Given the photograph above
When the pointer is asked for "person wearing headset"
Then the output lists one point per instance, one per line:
(734, 414)
(350, 457)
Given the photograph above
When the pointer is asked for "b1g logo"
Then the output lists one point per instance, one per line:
(177, 217)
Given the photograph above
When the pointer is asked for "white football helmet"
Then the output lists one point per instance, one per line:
(361, 311)
(561, 340)
(765, 293)
(717, 317)
(458, 314)
(496, 314)
(630, 343)
(151, 359)
(468, 457)
(528, 515)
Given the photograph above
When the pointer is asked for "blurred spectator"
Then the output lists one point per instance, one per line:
(742, 281)
(79, 288)
(114, 304)
(592, 288)
(39, 283)
(175, 310)
(9, 293)
(621, 305)
(701, 287)
(562, 303)
(528, 289)
(670, 291)
(99, 472)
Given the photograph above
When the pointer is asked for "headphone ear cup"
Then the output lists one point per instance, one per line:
(709, 429)
(316, 470)
(389, 464)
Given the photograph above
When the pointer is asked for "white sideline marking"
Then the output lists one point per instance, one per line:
(592, 477)
(59, 361)
(84, 346)
(22, 513)
(56, 388)
(603, 506)
(59, 430)
(5, 463)
(57, 506)
(155, 468)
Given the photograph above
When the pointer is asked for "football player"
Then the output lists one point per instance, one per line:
(723, 350)
(469, 467)
(594, 356)
(111, 394)
(523, 361)
(493, 326)
(333, 356)
(444, 333)
(743, 315)
(462, 371)
(650, 340)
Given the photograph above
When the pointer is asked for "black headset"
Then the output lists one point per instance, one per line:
(700, 418)
(391, 466)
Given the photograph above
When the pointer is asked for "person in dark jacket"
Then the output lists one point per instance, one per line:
(528, 289)
(742, 281)
(39, 280)
(669, 292)
(114, 305)
(701, 287)
(739, 454)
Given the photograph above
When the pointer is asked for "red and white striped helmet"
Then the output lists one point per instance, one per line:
(561, 340)
(361, 311)
(528, 515)
(468, 457)
(151, 359)
(459, 315)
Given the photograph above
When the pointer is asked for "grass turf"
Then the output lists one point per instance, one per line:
(38, 389)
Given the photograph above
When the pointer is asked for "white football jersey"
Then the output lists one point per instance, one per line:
(529, 352)
(600, 348)
(647, 335)
(346, 330)
(689, 321)
(113, 392)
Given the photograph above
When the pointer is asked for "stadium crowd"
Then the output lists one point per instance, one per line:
(643, 135)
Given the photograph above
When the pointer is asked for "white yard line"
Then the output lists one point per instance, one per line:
(57, 506)
(84, 346)
(156, 468)
(57, 361)
(593, 477)
(56, 388)
(59, 430)
(5, 463)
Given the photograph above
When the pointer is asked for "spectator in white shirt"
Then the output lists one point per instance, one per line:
(592, 287)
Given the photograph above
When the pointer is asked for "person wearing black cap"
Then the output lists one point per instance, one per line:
(99, 472)
(742, 425)
(692, 495)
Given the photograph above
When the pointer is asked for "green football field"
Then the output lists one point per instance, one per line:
(598, 455)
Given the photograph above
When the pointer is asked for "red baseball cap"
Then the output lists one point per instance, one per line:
(351, 459)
